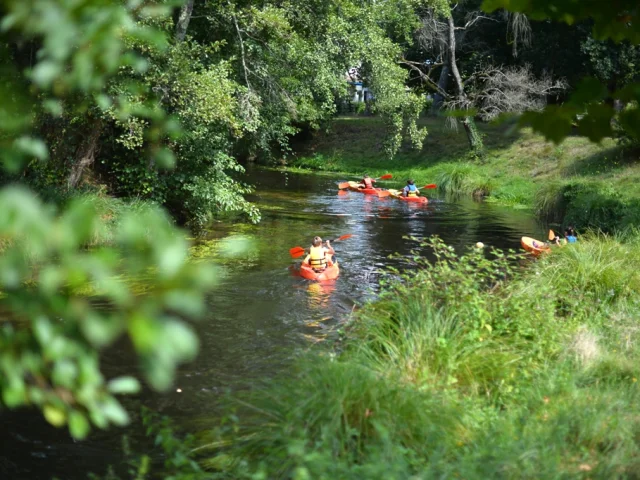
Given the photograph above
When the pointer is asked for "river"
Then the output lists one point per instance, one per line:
(261, 315)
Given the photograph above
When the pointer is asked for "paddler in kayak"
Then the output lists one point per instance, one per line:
(320, 257)
(367, 181)
(570, 234)
(410, 190)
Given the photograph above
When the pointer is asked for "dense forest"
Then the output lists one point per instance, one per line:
(168, 108)
(124, 120)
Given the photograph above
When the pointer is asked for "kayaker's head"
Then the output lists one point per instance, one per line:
(317, 241)
(410, 181)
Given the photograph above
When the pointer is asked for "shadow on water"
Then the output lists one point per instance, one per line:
(261, 314)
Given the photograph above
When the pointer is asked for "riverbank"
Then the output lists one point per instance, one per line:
(577, 182)
(511, 372)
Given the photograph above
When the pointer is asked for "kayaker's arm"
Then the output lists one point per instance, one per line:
(330, 249)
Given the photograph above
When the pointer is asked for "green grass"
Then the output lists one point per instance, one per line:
(472, 368)
(592, 185)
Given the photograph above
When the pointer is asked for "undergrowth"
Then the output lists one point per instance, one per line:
(478, 366)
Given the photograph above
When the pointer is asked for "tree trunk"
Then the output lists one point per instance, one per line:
(443, 83)
(85, 155)
(183, 20)
(475, 139)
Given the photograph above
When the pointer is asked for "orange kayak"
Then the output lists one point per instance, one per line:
(398, 194)
(328, 273)
(367, 191)
(534, 246)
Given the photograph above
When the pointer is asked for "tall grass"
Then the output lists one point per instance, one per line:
(550, 202)
(472, 367)
(463, 179)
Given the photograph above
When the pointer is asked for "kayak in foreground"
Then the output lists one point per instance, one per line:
(329, 273)
(534, 246)
(398, 194)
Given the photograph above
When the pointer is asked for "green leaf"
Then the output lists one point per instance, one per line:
(45, 72)
(182, 339)
(237, 246)
(33, 147)
(54, 415)
(64, 373)
(123, 385)
(54, 107)
(596, 124)
(630, 120)
(43, 330)
(78, 425)
(589, 90)
(100, 330)
(14, 393)
(165, 158)
(554, 122)
(114, 412)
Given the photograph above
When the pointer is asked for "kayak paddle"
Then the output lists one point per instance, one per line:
(296, 252)
(344, 185)
(431, 185)
(552, 235)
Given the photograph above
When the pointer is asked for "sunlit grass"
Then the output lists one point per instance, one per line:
(520, 168)
(466, 369)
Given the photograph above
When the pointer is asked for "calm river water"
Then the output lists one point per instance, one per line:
(261, 315)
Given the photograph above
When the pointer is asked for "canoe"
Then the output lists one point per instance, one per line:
(540, 247)
(367, 191)
(398, 194)
(329, 273)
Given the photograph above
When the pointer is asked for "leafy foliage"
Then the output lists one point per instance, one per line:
(55, 281)
(585, 109)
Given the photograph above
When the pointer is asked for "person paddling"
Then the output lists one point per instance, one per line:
(570, 234)
(319, 257)
(367, 181)
(410, 190)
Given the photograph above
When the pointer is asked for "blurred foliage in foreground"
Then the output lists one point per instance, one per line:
(52, 332)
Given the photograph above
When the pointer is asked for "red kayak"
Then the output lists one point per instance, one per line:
(329, 273)
(355, 186)
(398, 194)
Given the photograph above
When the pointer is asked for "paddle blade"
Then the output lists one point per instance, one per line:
(296, 252)
(385, 177)
(551, 235)
(343, 185)
(383, 193)
(431, 185)
(343, 192)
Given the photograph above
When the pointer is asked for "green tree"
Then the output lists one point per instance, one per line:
(587, 109)
(56, 264)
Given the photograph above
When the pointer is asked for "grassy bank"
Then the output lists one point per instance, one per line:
(517, 371)
(579, 182)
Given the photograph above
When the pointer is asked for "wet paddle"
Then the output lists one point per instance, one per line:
(344, 185)
(431, 185)
(296, 252)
